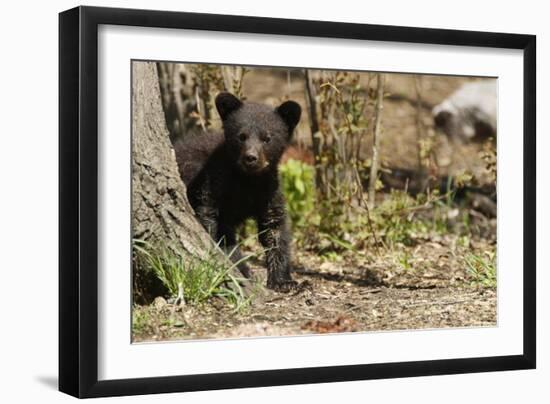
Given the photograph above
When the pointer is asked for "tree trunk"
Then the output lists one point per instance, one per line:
(380, 77)
(233, 79)
(179, 101)
(188, 91)
(311, 93)
(161, 212)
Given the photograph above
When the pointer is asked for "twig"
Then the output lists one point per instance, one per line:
(365, 205)
(436, 303)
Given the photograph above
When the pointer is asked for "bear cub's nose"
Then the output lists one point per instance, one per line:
(250, 158)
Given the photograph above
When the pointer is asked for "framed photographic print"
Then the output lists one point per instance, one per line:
(251, 201)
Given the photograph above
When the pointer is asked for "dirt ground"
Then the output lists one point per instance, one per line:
(326, 302)
(423, 286)
(360, 292)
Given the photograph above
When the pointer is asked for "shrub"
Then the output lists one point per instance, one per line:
(297, 179)
(482, 268)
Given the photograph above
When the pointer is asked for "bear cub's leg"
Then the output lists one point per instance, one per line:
(229, 244)
(275, 238)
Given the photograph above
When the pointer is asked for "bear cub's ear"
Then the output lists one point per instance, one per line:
(290, 111)
(227, 103)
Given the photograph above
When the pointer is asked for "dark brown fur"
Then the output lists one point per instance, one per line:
(232, 176)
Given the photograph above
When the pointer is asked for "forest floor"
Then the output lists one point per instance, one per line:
(423, 287)
(433, 283)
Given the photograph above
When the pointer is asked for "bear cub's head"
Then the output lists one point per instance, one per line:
(256, 135)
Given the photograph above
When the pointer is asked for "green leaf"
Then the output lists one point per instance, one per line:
(299, 184)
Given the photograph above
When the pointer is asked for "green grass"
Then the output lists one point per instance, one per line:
(482, 268)
(404, 260)
(402, 219)
(141, 321)
(194, 280)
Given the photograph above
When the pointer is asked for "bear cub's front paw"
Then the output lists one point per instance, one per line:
(282, 285)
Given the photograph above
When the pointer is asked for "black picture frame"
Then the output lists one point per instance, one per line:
(78, 201)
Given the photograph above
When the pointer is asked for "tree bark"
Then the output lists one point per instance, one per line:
(161, 214)
(233, 79)
(188, 92)
(311, 93)
(179, 101)
(380, 77)
(161, 210)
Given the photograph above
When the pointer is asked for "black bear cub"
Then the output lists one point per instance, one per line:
(232, 176)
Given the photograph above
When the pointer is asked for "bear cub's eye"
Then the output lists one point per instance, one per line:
(266, 139)
(243, 137)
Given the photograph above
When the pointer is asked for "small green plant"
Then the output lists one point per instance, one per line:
(399, 219)
(297, 179)
(482, 268)
(464, 241)
(140, 321)
(194, 280)
(404, 260)
(332, 256)
(396, 221)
